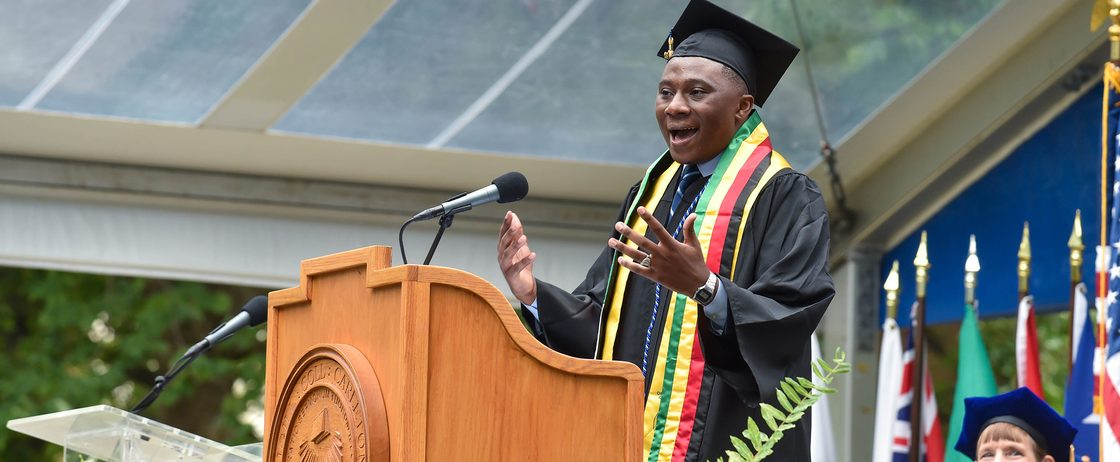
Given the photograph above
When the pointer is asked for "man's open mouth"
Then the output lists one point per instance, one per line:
(682, 135)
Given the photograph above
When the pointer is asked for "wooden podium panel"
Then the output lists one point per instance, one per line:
(458, 375)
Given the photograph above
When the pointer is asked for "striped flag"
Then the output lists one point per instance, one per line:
(1026, 348)
(1110, 380)
(933, 442)
(1082, 381)
(890, 382)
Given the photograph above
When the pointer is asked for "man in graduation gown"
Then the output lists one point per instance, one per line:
(716, 273)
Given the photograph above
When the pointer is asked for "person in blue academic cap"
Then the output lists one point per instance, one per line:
(1014, 426)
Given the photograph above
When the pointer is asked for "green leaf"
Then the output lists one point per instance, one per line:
(801, 391)
(783, 401)
(816, 370)
(826, 390)
(808, 384)
(772, 410)
(791, 393)
(753, 433)
(824, 365)
(741, 447)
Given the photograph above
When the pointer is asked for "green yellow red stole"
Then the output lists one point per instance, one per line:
(746, 165)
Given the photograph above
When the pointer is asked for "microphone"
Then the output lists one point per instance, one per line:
(510, 187)
(252, 314)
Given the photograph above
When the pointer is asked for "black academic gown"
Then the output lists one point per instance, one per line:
(775, 302)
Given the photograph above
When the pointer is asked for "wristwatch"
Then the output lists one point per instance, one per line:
(707, 292)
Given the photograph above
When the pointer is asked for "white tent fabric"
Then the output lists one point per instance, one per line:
(233, 244)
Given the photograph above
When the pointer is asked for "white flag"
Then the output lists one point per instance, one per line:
(822, 447)
(890, 382)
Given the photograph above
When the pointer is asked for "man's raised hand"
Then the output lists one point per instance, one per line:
(516, 259)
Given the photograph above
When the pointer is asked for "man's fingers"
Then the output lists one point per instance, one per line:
(510, 252)
(507, 222)
(634, 237)
(522, 264)
(634, 267)
(510, 236)
(690, 237)
(654, 225)
(631, 252)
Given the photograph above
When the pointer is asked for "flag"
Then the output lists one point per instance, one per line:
(974, 377)
(821, 443)
(1110, 380)
(1082, 381)
(890, 382)
(932, 447)
(1026, 348)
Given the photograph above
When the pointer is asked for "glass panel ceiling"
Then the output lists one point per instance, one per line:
(35, 34)
(166, 60)
(589, 97)
(467, 73)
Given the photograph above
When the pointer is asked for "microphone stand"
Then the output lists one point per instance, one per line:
(444, 223)
(163, 380)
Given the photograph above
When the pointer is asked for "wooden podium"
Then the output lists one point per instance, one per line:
(368, 362)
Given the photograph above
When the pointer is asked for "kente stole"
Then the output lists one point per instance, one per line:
(747, 164)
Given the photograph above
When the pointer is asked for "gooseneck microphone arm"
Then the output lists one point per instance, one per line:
(510, 187)
(162, 381)
(252, 314)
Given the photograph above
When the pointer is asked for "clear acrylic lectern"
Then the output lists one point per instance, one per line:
(105, 433)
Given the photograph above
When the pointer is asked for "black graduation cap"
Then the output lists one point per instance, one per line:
(1022, 409)
(708, 31)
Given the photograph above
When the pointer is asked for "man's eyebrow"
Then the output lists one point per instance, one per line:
(688, 81)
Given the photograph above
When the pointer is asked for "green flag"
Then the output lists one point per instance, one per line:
(974, 378)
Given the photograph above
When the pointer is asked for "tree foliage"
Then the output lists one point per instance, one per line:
(999, 337)
(76, 340)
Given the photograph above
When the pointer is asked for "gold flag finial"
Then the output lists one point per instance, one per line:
(892, 286)
(1099, 15)
(1076, 249)
(1025, 258)
(921, 266)
(1114, 29)
(971, 267)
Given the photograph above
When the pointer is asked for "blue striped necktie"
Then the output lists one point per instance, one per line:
(689, 175)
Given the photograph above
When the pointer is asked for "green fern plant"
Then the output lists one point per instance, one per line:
(795, 396)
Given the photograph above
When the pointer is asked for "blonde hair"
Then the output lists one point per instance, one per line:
(1000, 431)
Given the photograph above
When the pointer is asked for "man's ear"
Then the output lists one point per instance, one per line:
(1048, 458)
(746, 103)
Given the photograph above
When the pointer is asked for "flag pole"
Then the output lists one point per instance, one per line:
(917, 384)
(1102, 259)
(1024, 269)
(1076, 258)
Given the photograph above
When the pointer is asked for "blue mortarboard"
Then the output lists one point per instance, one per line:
(708, 31)
(1022, 409)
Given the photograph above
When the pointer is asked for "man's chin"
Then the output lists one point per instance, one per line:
(681, 157)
